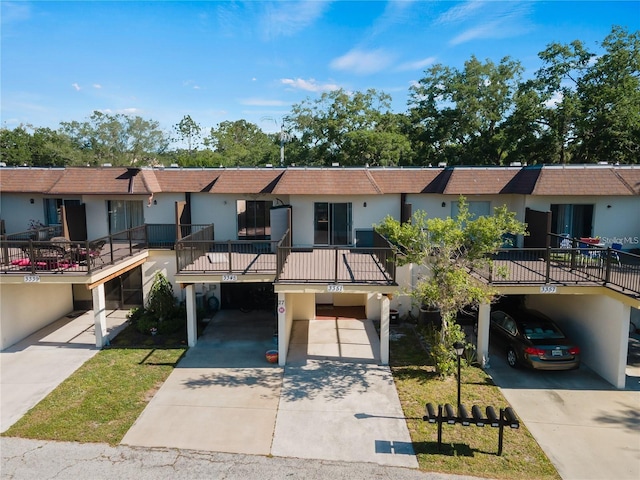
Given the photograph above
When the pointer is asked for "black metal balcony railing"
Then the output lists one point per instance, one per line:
(165, 235)
(565, 266)
(56, 255)
(200, 253)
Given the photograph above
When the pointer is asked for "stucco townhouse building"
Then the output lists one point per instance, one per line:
(93, 238)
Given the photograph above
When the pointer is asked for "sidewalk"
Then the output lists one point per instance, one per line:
(33, 367)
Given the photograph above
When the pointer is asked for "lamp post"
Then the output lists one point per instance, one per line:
(459, 349)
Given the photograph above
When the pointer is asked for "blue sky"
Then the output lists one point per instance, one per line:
(220, 61)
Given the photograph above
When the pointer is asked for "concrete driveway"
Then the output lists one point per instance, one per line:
(587, 428)
(332, 403)
(33, 367)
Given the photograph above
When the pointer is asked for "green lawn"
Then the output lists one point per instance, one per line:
(465, 450)
(102, 399)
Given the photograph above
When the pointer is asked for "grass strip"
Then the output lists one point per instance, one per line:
(469, 450)
(102, 399)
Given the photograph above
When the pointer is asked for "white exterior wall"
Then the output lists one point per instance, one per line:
(598, 324)
(378, 206)
(620, 223)
(16, 210)
(221, 210)
(164, 211)
(20, 315)
(160, 261)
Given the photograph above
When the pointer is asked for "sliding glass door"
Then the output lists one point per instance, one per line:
(332, 223)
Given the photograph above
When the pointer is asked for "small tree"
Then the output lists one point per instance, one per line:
(450, 249)
(161, 314)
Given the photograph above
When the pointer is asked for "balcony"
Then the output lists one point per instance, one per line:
(45, 252)
(199, 253)
(590, 266)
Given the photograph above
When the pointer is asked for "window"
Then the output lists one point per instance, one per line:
(125, 214)
(575, 220)
(332, 223)
(52, 209)
(254, 219)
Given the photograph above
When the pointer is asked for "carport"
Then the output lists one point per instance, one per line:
(297, 319)
(597, 318)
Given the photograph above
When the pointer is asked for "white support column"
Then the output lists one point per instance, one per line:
(384, 330)
(100, 316)
(283, 340)
(192, 321)
(482, 348)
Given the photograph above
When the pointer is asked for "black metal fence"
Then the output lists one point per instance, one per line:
(583, 265)
(57, 255)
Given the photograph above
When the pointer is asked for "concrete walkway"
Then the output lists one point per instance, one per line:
(33, 367)
(332, 403)
(587, 428)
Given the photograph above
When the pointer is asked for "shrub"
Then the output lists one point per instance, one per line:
(161, 314)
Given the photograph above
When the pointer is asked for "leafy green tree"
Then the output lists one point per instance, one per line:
(242, 143)
(42, 147)
(117, 139)
(188, 131)
(449, 250)
(459, 114)
(350, 129)
(608, 124)
(14, 146)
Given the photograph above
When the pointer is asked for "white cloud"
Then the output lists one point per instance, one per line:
(417, 64)
(123, 111)
(130, 111)
(191, 84)
(460, 13)
(555, 99)
(262, 102)
(97, 86)
(288, 18)
(14, 12)
(76, 86)
(482, 20)
(363, 62)
(309, 85)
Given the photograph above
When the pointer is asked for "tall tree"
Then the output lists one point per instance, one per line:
(188, 131)
(42, 147)
(459, 115)
(609, 121)
(117, 139)
(351, 129)
(242, 143)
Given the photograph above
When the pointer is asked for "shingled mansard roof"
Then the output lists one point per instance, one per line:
(570, 180)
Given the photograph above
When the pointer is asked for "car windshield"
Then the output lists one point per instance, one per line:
(536, 330)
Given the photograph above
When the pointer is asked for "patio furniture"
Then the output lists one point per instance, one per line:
(50, 257)
(92, 254)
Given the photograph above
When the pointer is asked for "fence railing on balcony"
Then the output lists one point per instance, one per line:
(41, 233)
(57, 255)
(338, 264)
(585, 265)
(200, 253)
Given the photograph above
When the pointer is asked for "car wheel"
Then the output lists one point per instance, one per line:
(512, 358)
